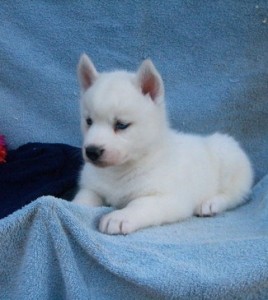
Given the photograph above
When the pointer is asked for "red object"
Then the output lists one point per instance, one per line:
(3, 149)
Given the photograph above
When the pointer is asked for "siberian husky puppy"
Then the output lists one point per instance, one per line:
(136, 163)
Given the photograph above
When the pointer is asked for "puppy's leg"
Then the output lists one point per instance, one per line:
(234, 190)
(213, 206)
(87, 197)
(144, 212)
(235, 176)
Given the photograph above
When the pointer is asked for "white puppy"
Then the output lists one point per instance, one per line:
(136, 163)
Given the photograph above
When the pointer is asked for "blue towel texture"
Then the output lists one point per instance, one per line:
(52, 249)
(212, 55)
(214, 61)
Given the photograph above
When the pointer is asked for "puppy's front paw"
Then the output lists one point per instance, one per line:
(212, 207)
(207, 209)
(117, 222)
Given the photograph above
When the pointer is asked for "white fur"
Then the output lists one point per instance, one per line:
(152, 174)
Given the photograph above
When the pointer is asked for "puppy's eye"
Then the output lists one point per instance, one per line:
(89, 121)
(121, 125)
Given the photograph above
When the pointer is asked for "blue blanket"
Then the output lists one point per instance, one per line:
(214, 61)
(52, 249)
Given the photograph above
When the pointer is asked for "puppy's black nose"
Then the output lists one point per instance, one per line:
(94, 153)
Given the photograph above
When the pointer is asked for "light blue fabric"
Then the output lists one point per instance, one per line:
(214, 61)
(52, 249)
(212, 55)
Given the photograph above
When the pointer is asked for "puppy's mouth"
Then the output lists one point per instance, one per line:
(98, 163)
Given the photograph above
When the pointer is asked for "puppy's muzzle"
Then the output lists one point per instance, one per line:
(94, 153)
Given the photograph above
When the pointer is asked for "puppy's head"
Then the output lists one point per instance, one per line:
(122, 114)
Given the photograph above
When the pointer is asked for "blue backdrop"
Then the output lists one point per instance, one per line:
(212, 55)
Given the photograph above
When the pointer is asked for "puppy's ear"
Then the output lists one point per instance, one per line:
(87, 74)
(150, 80)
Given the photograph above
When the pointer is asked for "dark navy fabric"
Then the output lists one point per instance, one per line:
(35, 170)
